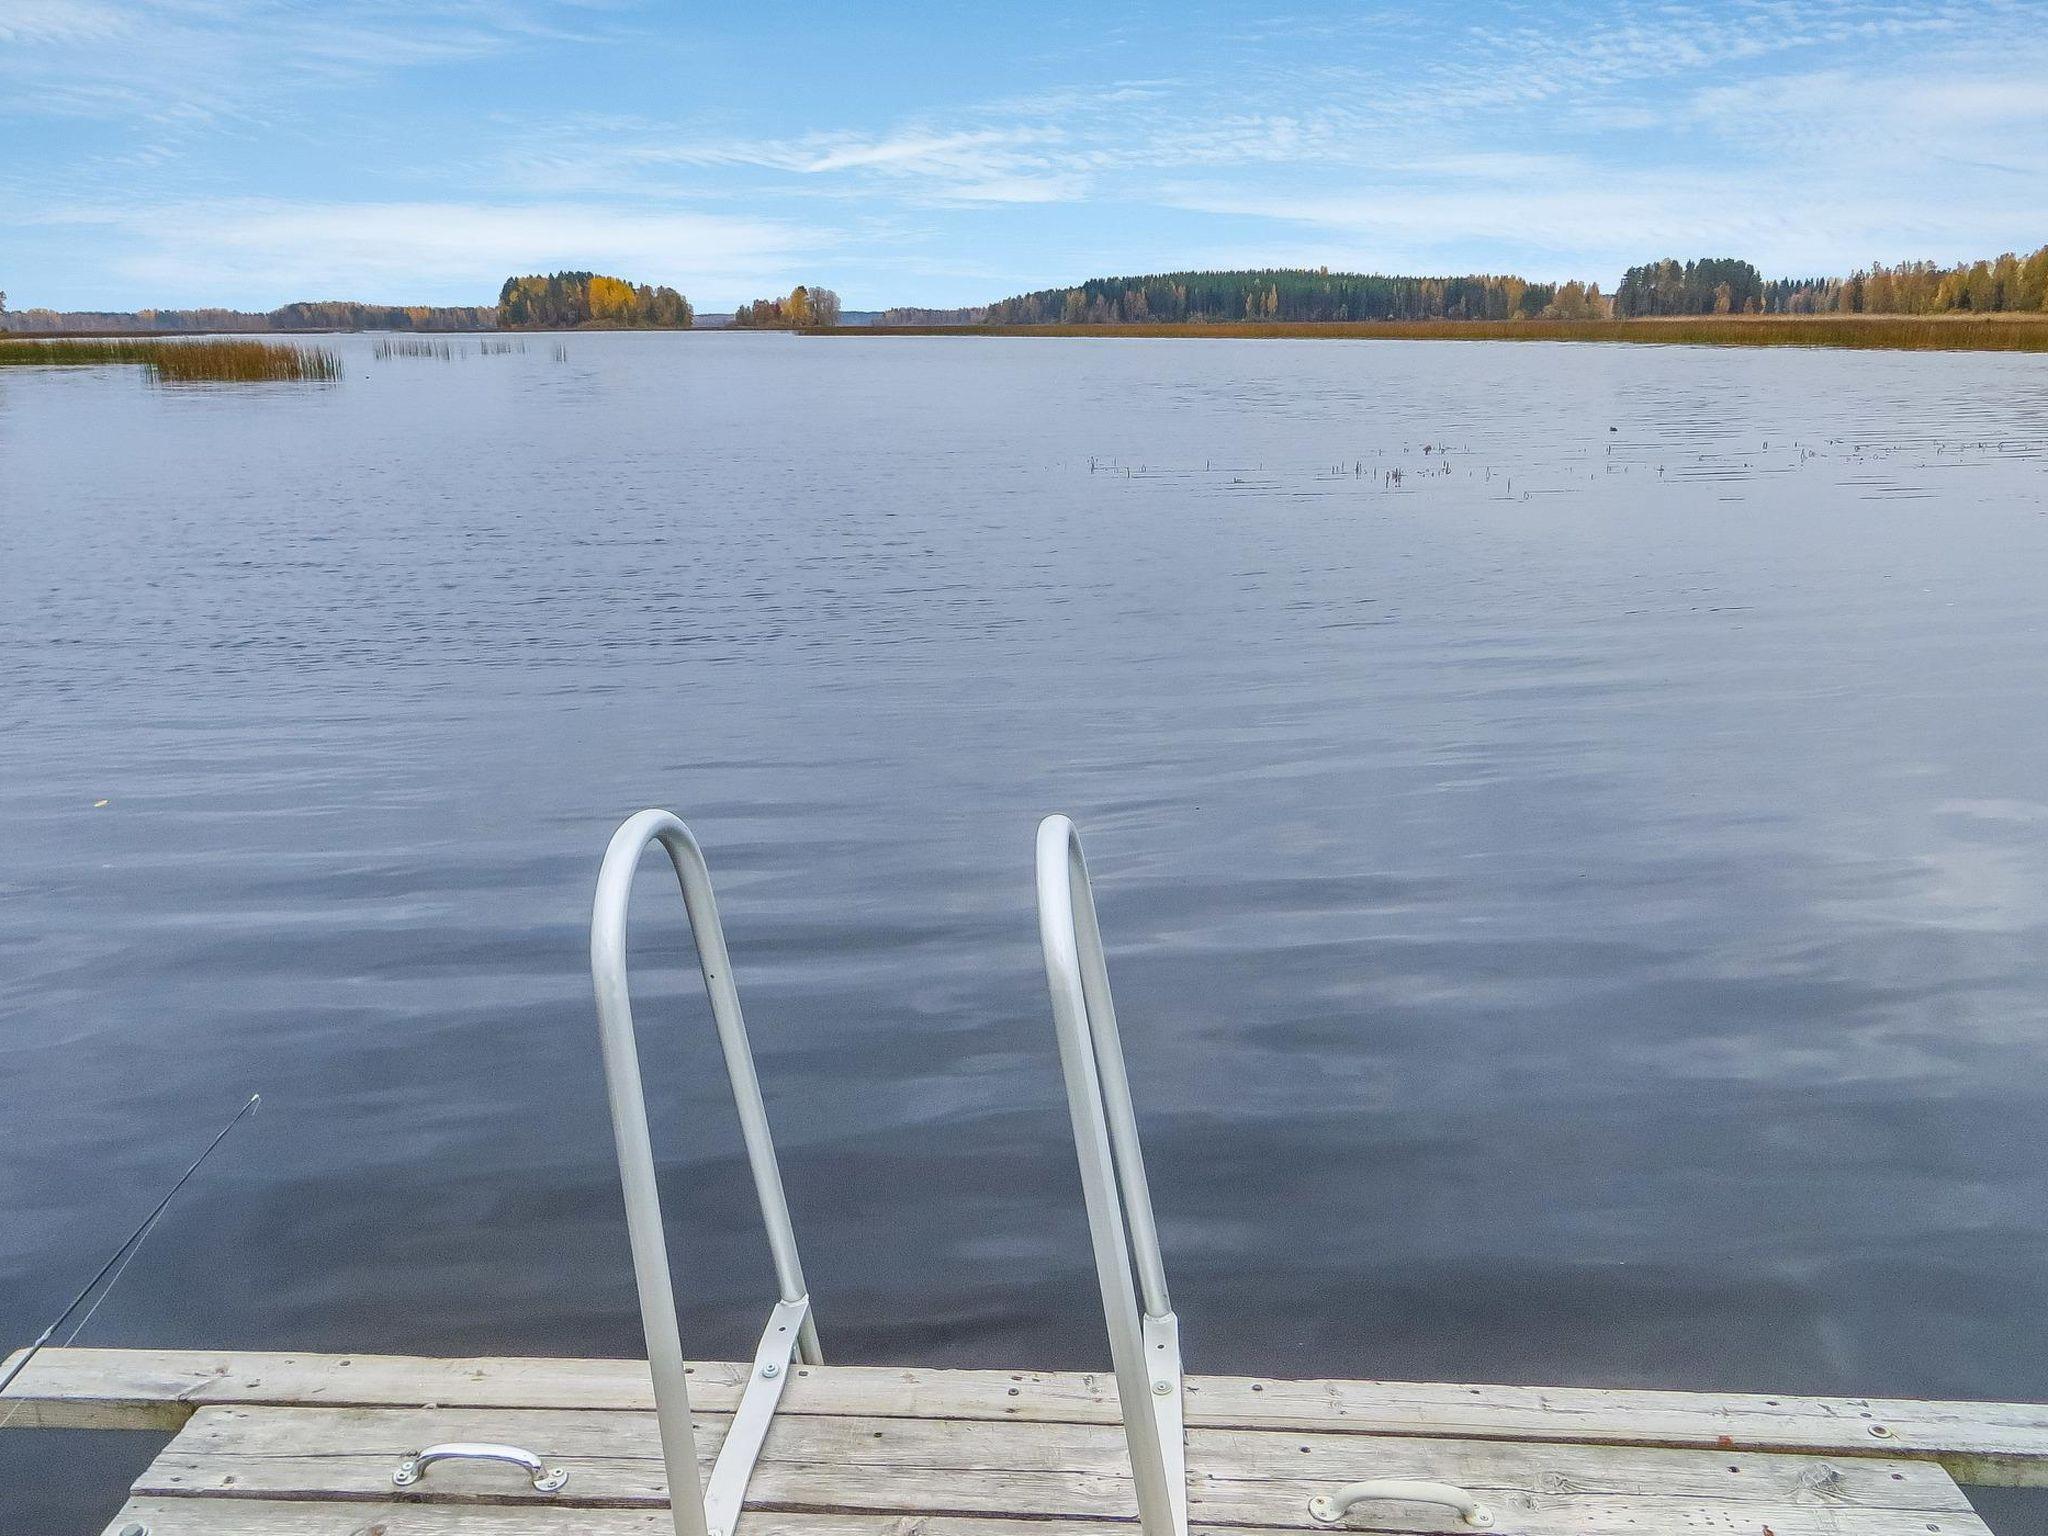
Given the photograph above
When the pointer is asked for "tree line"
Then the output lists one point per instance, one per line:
(324, 315)
(804, 308)
(2007, 284)
(345, 315)
(1705, 286)
(562, 301)
(911, 314)
(1286, 294)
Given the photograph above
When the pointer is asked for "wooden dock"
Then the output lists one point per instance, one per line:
(306, 1445)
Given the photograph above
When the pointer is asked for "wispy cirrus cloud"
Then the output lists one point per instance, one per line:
(50, 22)
(1939, 107)
(1012, 163)
(239, 58)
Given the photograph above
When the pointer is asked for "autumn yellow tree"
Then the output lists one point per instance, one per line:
(1576, 301)
(611, 301)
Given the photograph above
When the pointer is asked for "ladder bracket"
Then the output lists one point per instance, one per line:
(1162, 1357)
(727, 1489)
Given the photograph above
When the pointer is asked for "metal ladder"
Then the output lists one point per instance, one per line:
(698, 1509)
(1145, 1348)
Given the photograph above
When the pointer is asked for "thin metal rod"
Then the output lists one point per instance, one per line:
(132, 1242)
(1116, 1084)
(651, 1269)
(1101, 1112)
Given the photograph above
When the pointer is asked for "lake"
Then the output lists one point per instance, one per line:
(1570, 823)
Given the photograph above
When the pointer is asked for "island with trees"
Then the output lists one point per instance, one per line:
(806, 308)
(567, 301)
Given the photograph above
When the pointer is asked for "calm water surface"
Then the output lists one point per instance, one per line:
(1579, 909)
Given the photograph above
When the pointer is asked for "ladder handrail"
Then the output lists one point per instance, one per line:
(628, 1101)
(1146, 1350)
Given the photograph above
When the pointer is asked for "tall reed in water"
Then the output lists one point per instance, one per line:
(182, 362)
(415, 346)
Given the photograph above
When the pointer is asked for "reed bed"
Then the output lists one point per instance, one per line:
(413, 346)
(1912, 333)
(183, 362)
(444, 350)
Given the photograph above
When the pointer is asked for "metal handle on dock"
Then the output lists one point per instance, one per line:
(545, 1479)
(1146, 1350)
(1331, 1507)
(697, 1510)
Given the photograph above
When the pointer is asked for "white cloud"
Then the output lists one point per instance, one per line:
(224, 58)
(1580, 220)
(403, 252)
(1017, 163)
(1940, 102)
(46, 22)
(1978, 103)
(924, 152)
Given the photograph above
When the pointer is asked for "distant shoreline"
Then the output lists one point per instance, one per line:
(2005, 331)
(2000, 332)
(164, 335)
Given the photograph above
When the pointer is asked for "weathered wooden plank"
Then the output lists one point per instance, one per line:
(917, 1467)
(267, 1517)
(1984, 1443)
(160, 1389)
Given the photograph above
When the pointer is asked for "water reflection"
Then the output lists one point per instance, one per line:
(1577, 907)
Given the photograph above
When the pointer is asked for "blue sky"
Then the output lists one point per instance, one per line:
(250, 152)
